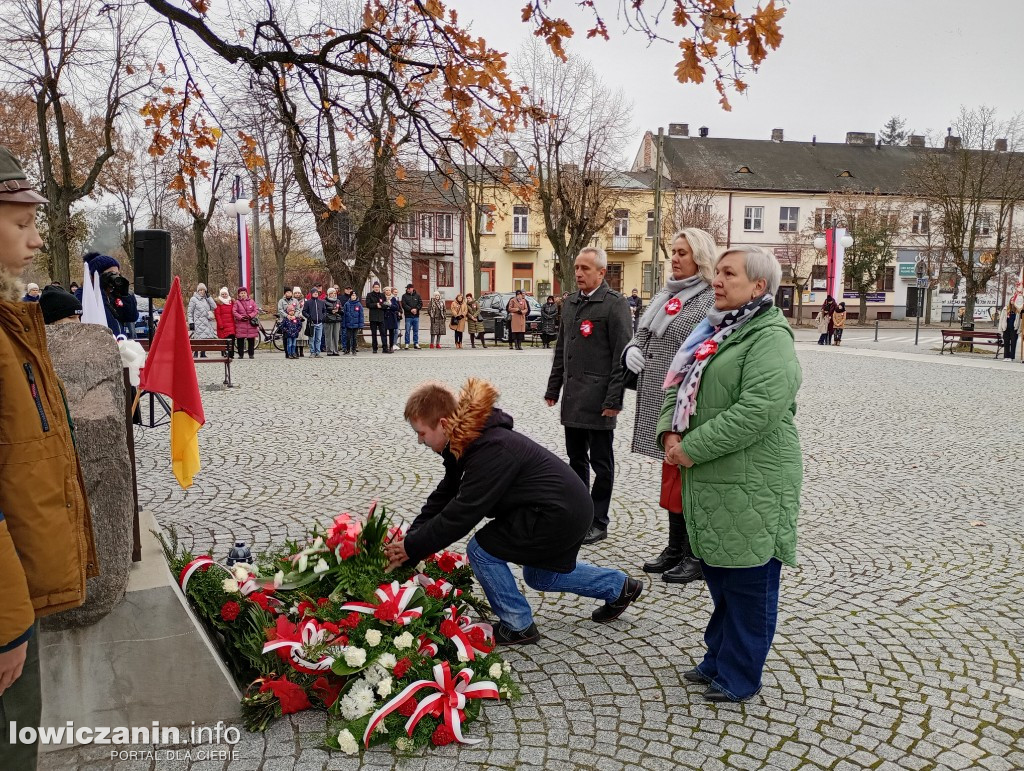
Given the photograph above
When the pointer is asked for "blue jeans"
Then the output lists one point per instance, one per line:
(289, 346)
(509, 604)
(413, 323)
(740, 631)
(316, 342)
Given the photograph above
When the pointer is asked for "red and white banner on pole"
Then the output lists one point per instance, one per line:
(244, 254)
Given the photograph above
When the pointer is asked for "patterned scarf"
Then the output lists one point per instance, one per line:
(689, 363)
(684, 290)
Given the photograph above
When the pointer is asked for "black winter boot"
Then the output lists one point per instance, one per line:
(688, 568)
(672, 554)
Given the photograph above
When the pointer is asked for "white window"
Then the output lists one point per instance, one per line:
(407, 227)
(443, 223)
(788, 217)
(650, 224)
(520, 227)
(919, 224)
(621, 222)
(620, 237)
(822, 219)
(752, 217)
(486, 211)
(426, 226)
(983, 225)
(703, 212)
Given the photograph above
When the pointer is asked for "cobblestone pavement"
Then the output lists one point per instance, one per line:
(900, 637)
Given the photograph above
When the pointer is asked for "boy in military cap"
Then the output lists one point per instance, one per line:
(46, 548)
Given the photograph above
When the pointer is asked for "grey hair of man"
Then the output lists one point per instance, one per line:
(600, 256)
(759, 264)
(703, 249)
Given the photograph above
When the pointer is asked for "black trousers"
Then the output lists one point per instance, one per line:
(1009, 344)
(240, 342)
(391, 335)
(352, 335)
(375, 327)
(592, 448)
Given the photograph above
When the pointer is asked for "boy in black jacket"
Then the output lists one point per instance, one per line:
(539, 510)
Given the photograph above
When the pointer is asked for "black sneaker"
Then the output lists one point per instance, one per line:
(612, 610)
(505, 636)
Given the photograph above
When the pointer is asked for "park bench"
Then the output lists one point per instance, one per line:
(955, 337)
(208, 345)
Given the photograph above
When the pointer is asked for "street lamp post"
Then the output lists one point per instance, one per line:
(239, 208)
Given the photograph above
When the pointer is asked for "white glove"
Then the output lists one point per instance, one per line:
(635, 360)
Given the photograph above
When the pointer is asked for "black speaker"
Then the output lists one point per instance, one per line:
(152, 263)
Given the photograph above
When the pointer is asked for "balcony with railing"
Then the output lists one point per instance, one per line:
(429, 245)
(522, 242)
(624, 244)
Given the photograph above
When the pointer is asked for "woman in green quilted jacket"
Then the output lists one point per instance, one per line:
(727, 422)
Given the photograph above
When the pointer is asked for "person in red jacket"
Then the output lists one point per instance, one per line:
(225, 320)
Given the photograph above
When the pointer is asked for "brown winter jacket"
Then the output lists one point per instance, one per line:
(46, 546)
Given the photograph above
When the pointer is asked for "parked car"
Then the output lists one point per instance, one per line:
(493, 306)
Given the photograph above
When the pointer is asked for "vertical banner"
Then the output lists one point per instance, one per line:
(838, 257)
(244, 254)
(830, 261)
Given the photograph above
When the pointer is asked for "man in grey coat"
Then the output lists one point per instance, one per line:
(587, 370)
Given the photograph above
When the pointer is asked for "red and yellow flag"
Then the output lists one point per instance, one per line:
(171, 371)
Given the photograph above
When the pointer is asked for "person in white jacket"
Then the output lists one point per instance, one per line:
(1009, 327)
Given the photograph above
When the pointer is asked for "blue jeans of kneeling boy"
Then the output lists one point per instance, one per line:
(742, 626)
(509, 604)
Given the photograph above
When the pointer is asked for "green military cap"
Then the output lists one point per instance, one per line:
(14, 184)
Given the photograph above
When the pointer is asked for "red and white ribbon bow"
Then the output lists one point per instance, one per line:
(393, 605)
(444, 588)
(448, 702)
(246, 587)
(310, 635)
(470, 638)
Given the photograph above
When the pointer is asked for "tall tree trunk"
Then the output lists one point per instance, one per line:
(928, 306)
(58, 238)
(202, 254)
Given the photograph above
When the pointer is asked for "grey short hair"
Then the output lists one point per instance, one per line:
(600, 256)
(759, 263)
(704, 249)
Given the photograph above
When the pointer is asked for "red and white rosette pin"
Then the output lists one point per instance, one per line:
(470, 638)
(586, 328)
(448, 702)
(673, 306)
(705, 350)
(439, 589)
(393, 606)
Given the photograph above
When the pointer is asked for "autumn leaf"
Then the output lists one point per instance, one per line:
(400, 201)
(335, 204)
(400, 173)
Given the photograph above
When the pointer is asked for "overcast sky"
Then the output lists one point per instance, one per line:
(842, 66)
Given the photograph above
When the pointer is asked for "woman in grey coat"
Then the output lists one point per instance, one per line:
(200, 316)
(673, 313)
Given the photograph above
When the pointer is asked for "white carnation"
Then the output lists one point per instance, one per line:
(230, 585)
(388, 661)
(403, 641)
(321, 566)
(374, 674)
(506, 667)
(355, 657)
(373, 637)
(303, 563)
(347, 743)
(403, 744)
(494, 671)
(278, 579)
(241, 571)
(384, 687)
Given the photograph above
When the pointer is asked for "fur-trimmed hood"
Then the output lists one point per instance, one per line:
(11, 288)
(475, 411)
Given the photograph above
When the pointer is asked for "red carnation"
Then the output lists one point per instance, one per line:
(331, 627)
(446, 562)
(322, 601)
(327, 690)
(407, 707)
(229, 610)
(260, 599)
(386, 611)
(351, 621)
(402, 668)
(305, 608)
(291, 695)
(442, 735)
(477, 637)
(449, 628)
(435, 591)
